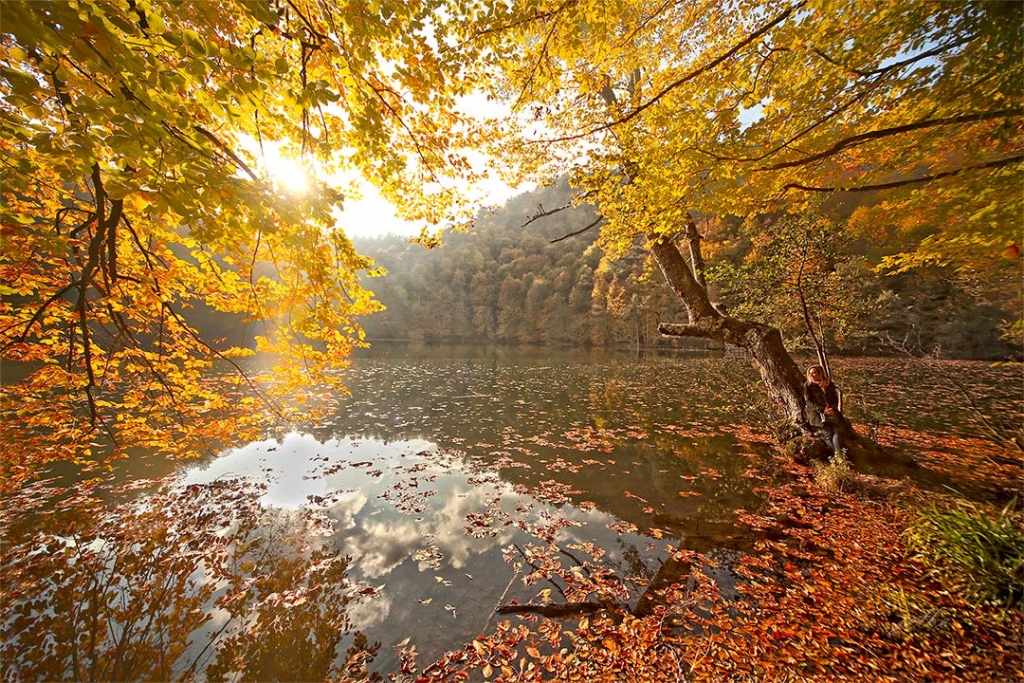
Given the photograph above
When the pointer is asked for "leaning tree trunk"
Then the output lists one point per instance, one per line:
(779, 372)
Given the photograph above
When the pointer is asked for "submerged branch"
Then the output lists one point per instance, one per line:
(567, 609)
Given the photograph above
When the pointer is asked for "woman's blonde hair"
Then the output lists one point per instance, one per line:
(816, 367)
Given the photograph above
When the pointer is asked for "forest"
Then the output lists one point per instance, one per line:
(508, 279)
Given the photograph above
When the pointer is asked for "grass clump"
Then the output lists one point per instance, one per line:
(906, 614)
(972, 549)
(834, 475)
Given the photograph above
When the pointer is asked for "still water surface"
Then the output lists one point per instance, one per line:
(412, 515)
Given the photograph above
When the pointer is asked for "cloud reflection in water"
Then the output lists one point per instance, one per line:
(425, 530)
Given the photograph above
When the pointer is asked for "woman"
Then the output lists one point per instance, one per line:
(821, 405)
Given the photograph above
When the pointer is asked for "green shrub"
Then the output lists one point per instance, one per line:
(971, 549)
(834, 475)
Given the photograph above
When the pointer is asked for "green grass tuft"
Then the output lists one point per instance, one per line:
(976, 550)
(834, 475)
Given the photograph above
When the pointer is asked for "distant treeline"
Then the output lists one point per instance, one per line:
(515, 281)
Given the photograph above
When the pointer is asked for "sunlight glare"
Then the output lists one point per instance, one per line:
(287, 173)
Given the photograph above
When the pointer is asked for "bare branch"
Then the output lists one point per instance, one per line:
(688, 330)
(594, 224)
(544, 213)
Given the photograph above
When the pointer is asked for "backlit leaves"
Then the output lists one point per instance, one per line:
(137, 203)
(739, 110)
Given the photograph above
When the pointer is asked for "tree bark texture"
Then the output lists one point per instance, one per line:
(768, 354)
(696, 256)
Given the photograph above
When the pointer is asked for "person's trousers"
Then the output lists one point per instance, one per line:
(833, 438)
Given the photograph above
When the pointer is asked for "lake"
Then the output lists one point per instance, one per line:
(449, 476)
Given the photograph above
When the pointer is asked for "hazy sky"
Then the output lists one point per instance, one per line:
(371, 215)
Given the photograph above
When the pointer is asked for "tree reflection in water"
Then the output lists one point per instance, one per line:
(191, 582)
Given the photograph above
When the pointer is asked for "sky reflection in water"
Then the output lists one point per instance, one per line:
(446, 464)
(422, 526)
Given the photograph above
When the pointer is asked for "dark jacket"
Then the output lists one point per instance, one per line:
(817, 399)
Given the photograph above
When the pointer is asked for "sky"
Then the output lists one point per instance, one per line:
(373, 216)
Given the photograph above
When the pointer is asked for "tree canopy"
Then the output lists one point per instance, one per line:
(743, 107)
(137, 190)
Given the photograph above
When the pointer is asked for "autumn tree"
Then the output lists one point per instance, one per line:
(798, 274)
(139, 186)
(662, 111)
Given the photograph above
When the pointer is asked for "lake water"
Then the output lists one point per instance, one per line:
(448, 476)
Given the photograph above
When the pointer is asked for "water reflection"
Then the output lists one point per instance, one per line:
(429, 531)
(415, 511)
(192, 580)
(434, 491)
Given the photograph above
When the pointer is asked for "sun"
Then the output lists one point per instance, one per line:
(288, 174)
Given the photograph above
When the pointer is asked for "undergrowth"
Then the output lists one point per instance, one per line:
(834, 475)
(970, 548)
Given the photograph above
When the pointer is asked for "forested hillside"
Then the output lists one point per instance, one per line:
(501, 281)
(513, 280)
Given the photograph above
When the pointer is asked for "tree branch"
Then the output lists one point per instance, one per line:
(594, 224)
(895, 130)
(997, 163)
(701, 330)
(544, 213)
(547, 39)
(556, 611)
(224, 148)
(680, 277)
(38, 314)
(687, 77)
(898, 65)
(693, 239)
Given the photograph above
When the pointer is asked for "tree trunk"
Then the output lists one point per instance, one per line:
(768, 354)
(696, 255)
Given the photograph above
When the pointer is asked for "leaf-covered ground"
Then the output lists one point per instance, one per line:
(829, 594)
